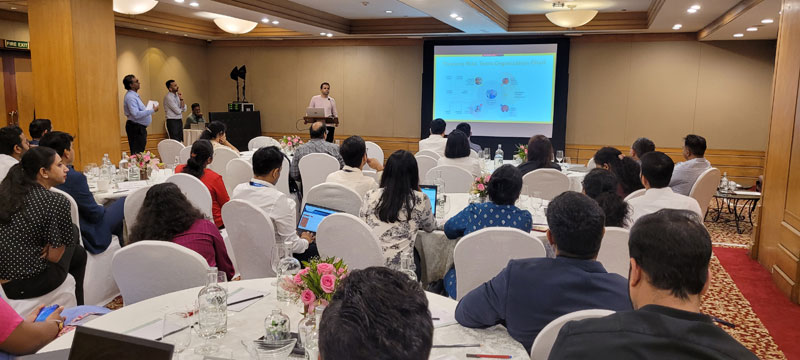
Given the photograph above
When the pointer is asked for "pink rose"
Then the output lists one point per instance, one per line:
(147, 158)
(304, 271)
(342, 270)
(477, 179)
(307, 297)
(298, 279)
(327, 282)
(325, 268)
(481, 187)
(486, 179)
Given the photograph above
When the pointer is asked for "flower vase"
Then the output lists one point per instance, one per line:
(144, 173)
(482, 199)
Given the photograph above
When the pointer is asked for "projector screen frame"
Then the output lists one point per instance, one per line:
(559, 99)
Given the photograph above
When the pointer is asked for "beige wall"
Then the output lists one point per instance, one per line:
(13, 30)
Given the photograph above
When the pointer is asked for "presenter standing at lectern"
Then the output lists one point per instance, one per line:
(323, 101)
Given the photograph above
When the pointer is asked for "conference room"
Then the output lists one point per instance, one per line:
(474, 178)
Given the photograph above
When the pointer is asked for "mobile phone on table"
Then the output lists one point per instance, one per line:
(45, 312)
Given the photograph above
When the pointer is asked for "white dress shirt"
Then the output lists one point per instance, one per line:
(435, 143)
(172, 106)
(686, 173)
(317, 101)
(6, 162)
(353, 178)
(279, 208)
(469, 163)
(661, 198)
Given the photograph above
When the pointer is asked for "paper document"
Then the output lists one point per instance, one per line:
(240, 294)
(151, 104)
(443, 317)
(151, 330)
(750, 193)
(132, 185)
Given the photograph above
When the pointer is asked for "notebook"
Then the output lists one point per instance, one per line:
(311, 216)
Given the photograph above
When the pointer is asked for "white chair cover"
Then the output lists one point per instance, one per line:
(430, 153)
(456, 179)
(262, 141)
(334, 196)
(636, 194)
(168, 149)
(349, 238)
(547, 337)
(222, 157)
(373, 174)
(149, 268)
(614, 251)
(252, 238)
(73, 206)
(185, 154)
(315, 168)
(481, 255)
(237, 172)
(549, 182)
(195, 191)
(283, 181)
(134, 202)
(425, 163)
(704, 188)
(63, 295)
(591, 164)
(374, 151)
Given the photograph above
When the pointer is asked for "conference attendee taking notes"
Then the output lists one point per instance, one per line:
(325, 102)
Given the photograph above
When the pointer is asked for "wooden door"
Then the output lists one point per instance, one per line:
(17, 89)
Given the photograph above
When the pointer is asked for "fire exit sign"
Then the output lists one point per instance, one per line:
(15, 44)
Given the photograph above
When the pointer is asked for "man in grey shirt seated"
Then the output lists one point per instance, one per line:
(686, 173)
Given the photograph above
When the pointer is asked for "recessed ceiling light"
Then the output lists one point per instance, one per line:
(691, 11)
(677, 26)
(13, 8)
(767, 21)
(179, 1)
(389, 11)
(144, 28)
(264, 20)
(696, 7)
(185, 35)
(752, 28)
(453, 15)
(322, 33)
(275, 22)
(166, 32)
(194, 3)
(738, 35)
(329, 35)
(459, 18)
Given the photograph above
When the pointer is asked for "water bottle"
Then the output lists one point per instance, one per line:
(123, 164)
(133, 172)
(288, 267)
(405, 267)
(440, 199)
(498, 156)
(106, 168)
(212, 308)
(176, 162)
(312, 339)
(723, 183)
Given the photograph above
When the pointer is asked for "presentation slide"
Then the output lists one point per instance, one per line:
(500, 90)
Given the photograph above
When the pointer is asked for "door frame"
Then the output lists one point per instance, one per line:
(10, 82)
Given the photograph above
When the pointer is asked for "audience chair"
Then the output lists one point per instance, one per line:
(185, 154)
(374, 151)
(481, 255)
(168, 149)
(549, 182)
(430, 153)
(456, 179)
(349, 238)
(63, 295)
(591, 164)
(315, 168)
(424, 164)
(334, 196)
(195, 191)
(262, 141)
(547, 337)
(222, 156)
(238, 171)
(252, 238)
(134, 202)
(374, 175)
(705, 187)
(283, 181)
(151, 268)
(614, 251)
(636, 194)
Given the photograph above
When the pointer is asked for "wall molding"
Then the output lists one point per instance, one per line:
(724, 19)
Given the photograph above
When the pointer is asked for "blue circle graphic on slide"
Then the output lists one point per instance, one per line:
(491, 93)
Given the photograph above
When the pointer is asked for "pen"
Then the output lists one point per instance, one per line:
(434, 319)
(484, 356)
(243, 300)
(723, 322)
(456, 346)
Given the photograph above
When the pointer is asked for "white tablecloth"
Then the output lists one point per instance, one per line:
(114, 192)
(190, 136)
(248, 324)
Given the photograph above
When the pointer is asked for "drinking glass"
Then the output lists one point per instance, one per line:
(487, 154)
(177, 330)
(222, 280)
(275, 259)
(559, 155)
(90, 170)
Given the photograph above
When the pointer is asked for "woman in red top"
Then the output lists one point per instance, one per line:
(202, 155)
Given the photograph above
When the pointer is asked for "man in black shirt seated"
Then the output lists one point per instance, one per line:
(670, 251)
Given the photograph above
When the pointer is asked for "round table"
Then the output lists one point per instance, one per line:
(248, 324)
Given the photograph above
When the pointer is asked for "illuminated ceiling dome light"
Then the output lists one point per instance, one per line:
(234, 26)
(134, 7)
(571, 18)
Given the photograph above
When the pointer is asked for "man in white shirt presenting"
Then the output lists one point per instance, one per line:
(13, 144)
(174, 107)
(687, 172)
(656, 173)
(261, 192)
(323, 101)
(436, 140)
(354, 154)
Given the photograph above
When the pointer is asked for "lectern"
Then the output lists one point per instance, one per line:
(326, 119)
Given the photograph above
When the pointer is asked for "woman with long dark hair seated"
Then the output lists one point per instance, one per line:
(202, 155)
(457, 153)
(540, 155)
(215, 132)
(167, 215)
(397, 209)
(38, 241)
(624, 168)
(601, 185)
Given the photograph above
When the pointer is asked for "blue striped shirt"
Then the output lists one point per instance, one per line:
(135, 110)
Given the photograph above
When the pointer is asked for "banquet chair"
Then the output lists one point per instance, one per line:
(456, 179)
(151, 268)
(374, 151)
(636, 194)
(134, 202)
(195, 191)
(252, 238)
(185, 154)
(548, 182)
(283, 180)
(222, 157)
(349, 238)
(168, 149)
(374, 175)
(237, 172)
(334, 196)
(591, 164)
(315, 168)
(262, 141)
(430, 153)
(424, 164)
(481, 255)
(63, 295)
(614, 251)
(705, 187)
(547, 337)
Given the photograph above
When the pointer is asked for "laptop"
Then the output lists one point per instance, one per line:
(90, 344)
(311, 216)
(430, 190)
(315, 112)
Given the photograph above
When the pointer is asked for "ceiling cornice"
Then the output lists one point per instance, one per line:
(491, 10)
(730, 15)
(627, 20)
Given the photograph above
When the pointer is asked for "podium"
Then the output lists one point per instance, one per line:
(326, 119)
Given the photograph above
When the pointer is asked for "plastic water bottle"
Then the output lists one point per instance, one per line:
(724, 183)
(498, 156)
(106, 169)
(212, 308)
(288, 267)
(133, 172)
(405, 267)
(123, 164)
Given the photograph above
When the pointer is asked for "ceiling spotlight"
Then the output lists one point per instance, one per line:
(738, 35)
(388, 11)
(264, 20)
(185, 34)
(677, 26)
(13, 8)
(752, 28)
(322, 34)
(696, 7)
(691, 11)
(329, 35)
(459, 18)
(179, 1)
(275, 22)
(194, 4)
(767, 21)
(453, 15)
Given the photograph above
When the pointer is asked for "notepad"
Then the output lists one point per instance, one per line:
(151, 104)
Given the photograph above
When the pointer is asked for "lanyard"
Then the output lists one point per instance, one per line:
(257, 184)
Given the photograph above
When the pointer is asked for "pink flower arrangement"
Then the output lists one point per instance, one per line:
(146, 159)
(317, 282)
(290, 142)
(522, 152)
(480, 185)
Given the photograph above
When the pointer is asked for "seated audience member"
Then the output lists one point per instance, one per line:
(38, 128)
(376, 313)
(466, 129)
(98, 223)
(195, 118)
(201, 156)
(215, 133)
(38, 242)
(529, 293)
(20, 336)
(540, 155)
(666, 293)
(457, 153)
(656, 172)
(13, 144)
(640, 147)
(398, 209)
(625, 168)
(436, 141)
(261, 192)
(167, 215)
(687, 172)
(354, 154)
(316, 144)
(601, 185)
(504, 188)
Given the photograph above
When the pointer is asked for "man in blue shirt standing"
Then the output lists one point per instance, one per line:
(139, 117)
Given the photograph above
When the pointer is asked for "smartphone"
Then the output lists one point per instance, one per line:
(45, 312)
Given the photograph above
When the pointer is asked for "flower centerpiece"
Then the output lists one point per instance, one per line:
(290, 143)
(480, 187)
(146, 162)
(522, 152)
(316, 283)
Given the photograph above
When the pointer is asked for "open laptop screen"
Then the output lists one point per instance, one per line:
(430, 190)
(312, 215)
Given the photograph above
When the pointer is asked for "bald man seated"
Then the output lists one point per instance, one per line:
(317, 144)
